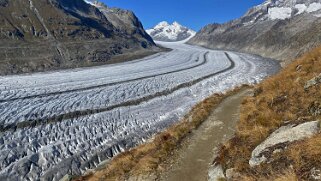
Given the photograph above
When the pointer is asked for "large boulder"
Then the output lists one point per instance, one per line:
(279, 139)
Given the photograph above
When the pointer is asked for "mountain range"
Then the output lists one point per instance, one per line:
(278, 29)
(40, 35)
(170, 32)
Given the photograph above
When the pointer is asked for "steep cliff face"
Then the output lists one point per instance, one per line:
(280, 29)
(38, 35)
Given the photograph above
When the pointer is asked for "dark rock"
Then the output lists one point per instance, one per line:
(257, 91)
(298, 68)
(4, 3)
(315, 108)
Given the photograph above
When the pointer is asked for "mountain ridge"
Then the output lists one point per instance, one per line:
(276, 29)
(40, 35)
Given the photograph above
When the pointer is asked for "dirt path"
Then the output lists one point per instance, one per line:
(194, 158)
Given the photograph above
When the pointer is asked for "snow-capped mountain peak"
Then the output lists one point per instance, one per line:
(164, 31)
(176, 24)
(162, 24)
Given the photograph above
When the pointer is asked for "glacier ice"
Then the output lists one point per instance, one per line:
(66, 122)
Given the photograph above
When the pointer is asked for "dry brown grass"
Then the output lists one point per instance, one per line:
(147, 158)
(278, 100)
(287, 175)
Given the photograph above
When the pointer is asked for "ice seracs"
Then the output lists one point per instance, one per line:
(164, 31)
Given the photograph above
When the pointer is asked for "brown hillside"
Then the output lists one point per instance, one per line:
(279, 101)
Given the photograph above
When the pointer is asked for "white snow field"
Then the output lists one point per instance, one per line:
(66, 122)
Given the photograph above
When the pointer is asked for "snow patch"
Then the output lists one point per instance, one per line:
(280, 13)
(94, 3)
(314, 7)
(162, 24)
(301, 8)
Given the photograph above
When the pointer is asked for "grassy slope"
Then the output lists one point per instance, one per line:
(147, 158)
(278, 101)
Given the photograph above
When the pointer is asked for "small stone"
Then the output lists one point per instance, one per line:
(298, 68)
(216, 173)
(315, 108)
(232, 174)
(277, 151)
(313, 82)
(316, 174)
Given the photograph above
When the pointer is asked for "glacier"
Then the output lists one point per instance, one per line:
(66, 122)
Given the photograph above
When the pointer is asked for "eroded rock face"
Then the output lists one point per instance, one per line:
(279, 139)
(39, 35)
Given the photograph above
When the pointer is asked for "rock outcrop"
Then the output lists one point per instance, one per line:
(279, 139)
(39, 35)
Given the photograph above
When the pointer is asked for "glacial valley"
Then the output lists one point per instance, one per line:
(66, 122)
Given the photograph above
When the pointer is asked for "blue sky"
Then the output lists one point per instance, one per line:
(192, 13)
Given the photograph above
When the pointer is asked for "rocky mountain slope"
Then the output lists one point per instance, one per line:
(280, 29)
(170, 33)
(38, 35)
(278, 136)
